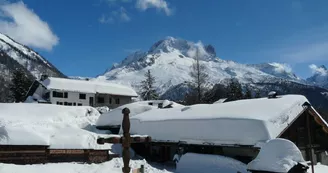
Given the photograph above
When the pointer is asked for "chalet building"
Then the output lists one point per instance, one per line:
(235, 129)
(71, 92)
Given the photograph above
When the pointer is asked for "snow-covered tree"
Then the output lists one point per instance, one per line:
(148, 91)
(19, 85)
(199, 75)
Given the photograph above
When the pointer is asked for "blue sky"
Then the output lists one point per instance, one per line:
(84, 38)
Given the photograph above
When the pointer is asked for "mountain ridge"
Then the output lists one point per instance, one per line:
(14, 55)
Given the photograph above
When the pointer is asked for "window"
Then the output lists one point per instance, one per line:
(101, 100)
(83, 96)
(60, 103)
(65, 103)
(57, 94)
(74, 104)
(79, 104)
(117, 101)
(65, 94)
(160, 105)
(150, 103)
(110, 100)
(57, 103)
(47, 95)
(69, 104)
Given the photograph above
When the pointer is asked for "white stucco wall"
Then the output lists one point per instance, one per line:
(72, 97)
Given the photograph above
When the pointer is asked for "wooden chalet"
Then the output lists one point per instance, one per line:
(230, 129)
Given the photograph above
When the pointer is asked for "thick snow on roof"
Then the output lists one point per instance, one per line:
(88, 86)
(196, 163)
(244, 122)
(278, 155)
(46, 124)
(115, 117)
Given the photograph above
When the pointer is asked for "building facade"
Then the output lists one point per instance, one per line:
(71, 92)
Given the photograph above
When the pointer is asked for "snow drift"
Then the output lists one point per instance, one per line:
(196, 163)
(278, 155)
(45, 124)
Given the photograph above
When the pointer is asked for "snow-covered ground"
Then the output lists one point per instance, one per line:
(113, 166)
(226, 165)
(73, 127)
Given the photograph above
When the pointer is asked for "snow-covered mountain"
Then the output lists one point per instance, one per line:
(320, 76)
(170, 60)
(277, 70)
(14, 55)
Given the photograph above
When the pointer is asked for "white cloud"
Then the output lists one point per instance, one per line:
(120, 15)
(197, 48)
(123, 15)
(318, 70)
(280, 68)
(23, 25)
(158, 4)
(105, 19)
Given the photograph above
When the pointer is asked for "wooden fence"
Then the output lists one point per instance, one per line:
(42, 154)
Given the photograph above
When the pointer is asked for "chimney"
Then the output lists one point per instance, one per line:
(43, 77)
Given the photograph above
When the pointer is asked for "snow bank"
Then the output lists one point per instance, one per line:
(259, 120)
(113, 166)
(196, 163)
(88, 86)
(278, 155)
(46, 124)
(115, 117)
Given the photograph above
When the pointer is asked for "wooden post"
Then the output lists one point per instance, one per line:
(126, 140)
(310, 140)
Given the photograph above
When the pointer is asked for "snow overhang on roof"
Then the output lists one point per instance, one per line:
(84, 86)
(243, 122)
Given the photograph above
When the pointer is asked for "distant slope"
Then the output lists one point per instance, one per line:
(14, 55)
(320, 77)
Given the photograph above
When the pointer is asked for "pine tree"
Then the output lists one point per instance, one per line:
(19, 85)
(234, 90)
(248, 93)
(148, 91)
(257, 94)
(199, 77)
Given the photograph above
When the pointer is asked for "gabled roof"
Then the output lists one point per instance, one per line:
(88, 86)
(243, 122)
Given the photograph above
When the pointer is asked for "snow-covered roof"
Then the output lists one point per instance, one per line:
(115, 117)
(278, 155)
(243, 122)
(88, 86)
(51, 125)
